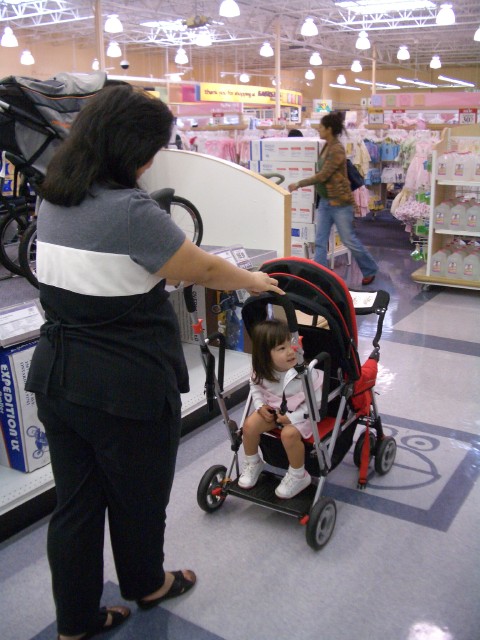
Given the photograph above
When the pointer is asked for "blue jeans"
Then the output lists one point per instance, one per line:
(342, 218)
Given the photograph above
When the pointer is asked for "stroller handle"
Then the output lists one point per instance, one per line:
(284, 301)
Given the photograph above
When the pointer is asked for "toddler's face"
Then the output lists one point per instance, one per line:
(283, 356)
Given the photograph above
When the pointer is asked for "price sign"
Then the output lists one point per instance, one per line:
(375, 115)
(467, 116)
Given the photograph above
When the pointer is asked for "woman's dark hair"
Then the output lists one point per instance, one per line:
(295, 133)
(266, 335)
(335, 122)
(118, 131)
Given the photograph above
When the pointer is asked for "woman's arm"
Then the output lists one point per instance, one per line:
(192, 264)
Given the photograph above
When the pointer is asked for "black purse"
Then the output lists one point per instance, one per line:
(354, 176)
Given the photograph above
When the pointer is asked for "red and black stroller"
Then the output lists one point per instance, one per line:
(326, 338)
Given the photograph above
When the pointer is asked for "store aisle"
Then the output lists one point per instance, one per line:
(402, 563)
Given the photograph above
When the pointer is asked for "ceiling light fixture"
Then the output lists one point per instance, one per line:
(363, 42)
(113, 50)
(203, 39)
(418, 83)
(27, 58)
(344, 86)
(113, 24)
(315, 59)
(403, 53)
(461, 83)
(476, 35)
(229, 9)
(309, 28)
(95, 64)
(445, 16)
(181, 56)
(435, 62)
(8, 38)
(383, 6)
(341, 79)
(266, 50)
(379, 85)
(356, 67)
(244, 77)
(309, 75)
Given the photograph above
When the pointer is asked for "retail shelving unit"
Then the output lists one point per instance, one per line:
(442, 190)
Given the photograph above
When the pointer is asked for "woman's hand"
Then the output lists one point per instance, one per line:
(263, 282)
(293, 187)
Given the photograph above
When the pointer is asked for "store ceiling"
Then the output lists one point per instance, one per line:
(237, 40)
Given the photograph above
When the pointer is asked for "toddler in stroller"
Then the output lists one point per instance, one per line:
(326, 335)
(279, 403)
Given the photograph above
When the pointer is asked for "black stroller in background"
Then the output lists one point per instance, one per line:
(326, 338)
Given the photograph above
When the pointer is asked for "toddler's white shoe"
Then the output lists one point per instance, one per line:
(291, 485)
(250, 473)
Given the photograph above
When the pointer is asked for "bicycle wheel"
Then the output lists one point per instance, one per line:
(187, 217)
(27, 253)
(11, 230)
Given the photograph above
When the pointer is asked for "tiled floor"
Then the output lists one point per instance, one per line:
(403, 560)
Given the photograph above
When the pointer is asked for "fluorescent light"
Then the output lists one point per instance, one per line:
(379, 85)
(383, 6)
(418, 83)
(229, 9)
(309, 75)
(476, 36)
(266, 50)
(244, 77)
(114, 50)
(362, 41)
(113, 24)
(435, 62)
(203, 39)
(8, 38)
(315, 59)
(27, 58)
(181, 56)
(356, 66)
(461, 83)
(344, 86)
(403, 53)
(445, 16)
(309, 28)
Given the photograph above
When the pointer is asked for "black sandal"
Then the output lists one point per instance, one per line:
(180, 585)
(117, 617)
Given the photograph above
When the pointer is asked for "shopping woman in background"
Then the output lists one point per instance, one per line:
(336, 202)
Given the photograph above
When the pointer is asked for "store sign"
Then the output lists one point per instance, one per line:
(214, 92)
(376, 115)
(467, 116)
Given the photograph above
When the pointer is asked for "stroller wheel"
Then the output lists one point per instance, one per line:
(385, 455)
(357, 452)
(321, 523)
(210, 494)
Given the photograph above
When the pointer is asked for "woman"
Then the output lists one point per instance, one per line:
(336, 200)
(109, 367)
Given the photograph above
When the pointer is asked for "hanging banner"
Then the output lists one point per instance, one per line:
(215, 92)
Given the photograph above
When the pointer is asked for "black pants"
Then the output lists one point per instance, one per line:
(103, 462)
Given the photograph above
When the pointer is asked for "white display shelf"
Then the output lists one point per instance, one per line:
(17, 488)
(459, 232)
(458, 183)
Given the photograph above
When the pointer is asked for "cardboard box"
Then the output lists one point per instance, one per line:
(303, 214)
(290, 149)
(303, 232)
(23, 445)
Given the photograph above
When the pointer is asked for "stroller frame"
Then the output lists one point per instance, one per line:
(346, 386)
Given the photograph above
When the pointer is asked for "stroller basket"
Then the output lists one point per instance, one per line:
(311, 292)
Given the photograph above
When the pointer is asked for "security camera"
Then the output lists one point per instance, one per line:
(124, 64)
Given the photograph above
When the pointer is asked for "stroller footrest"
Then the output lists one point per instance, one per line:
(263, 493)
